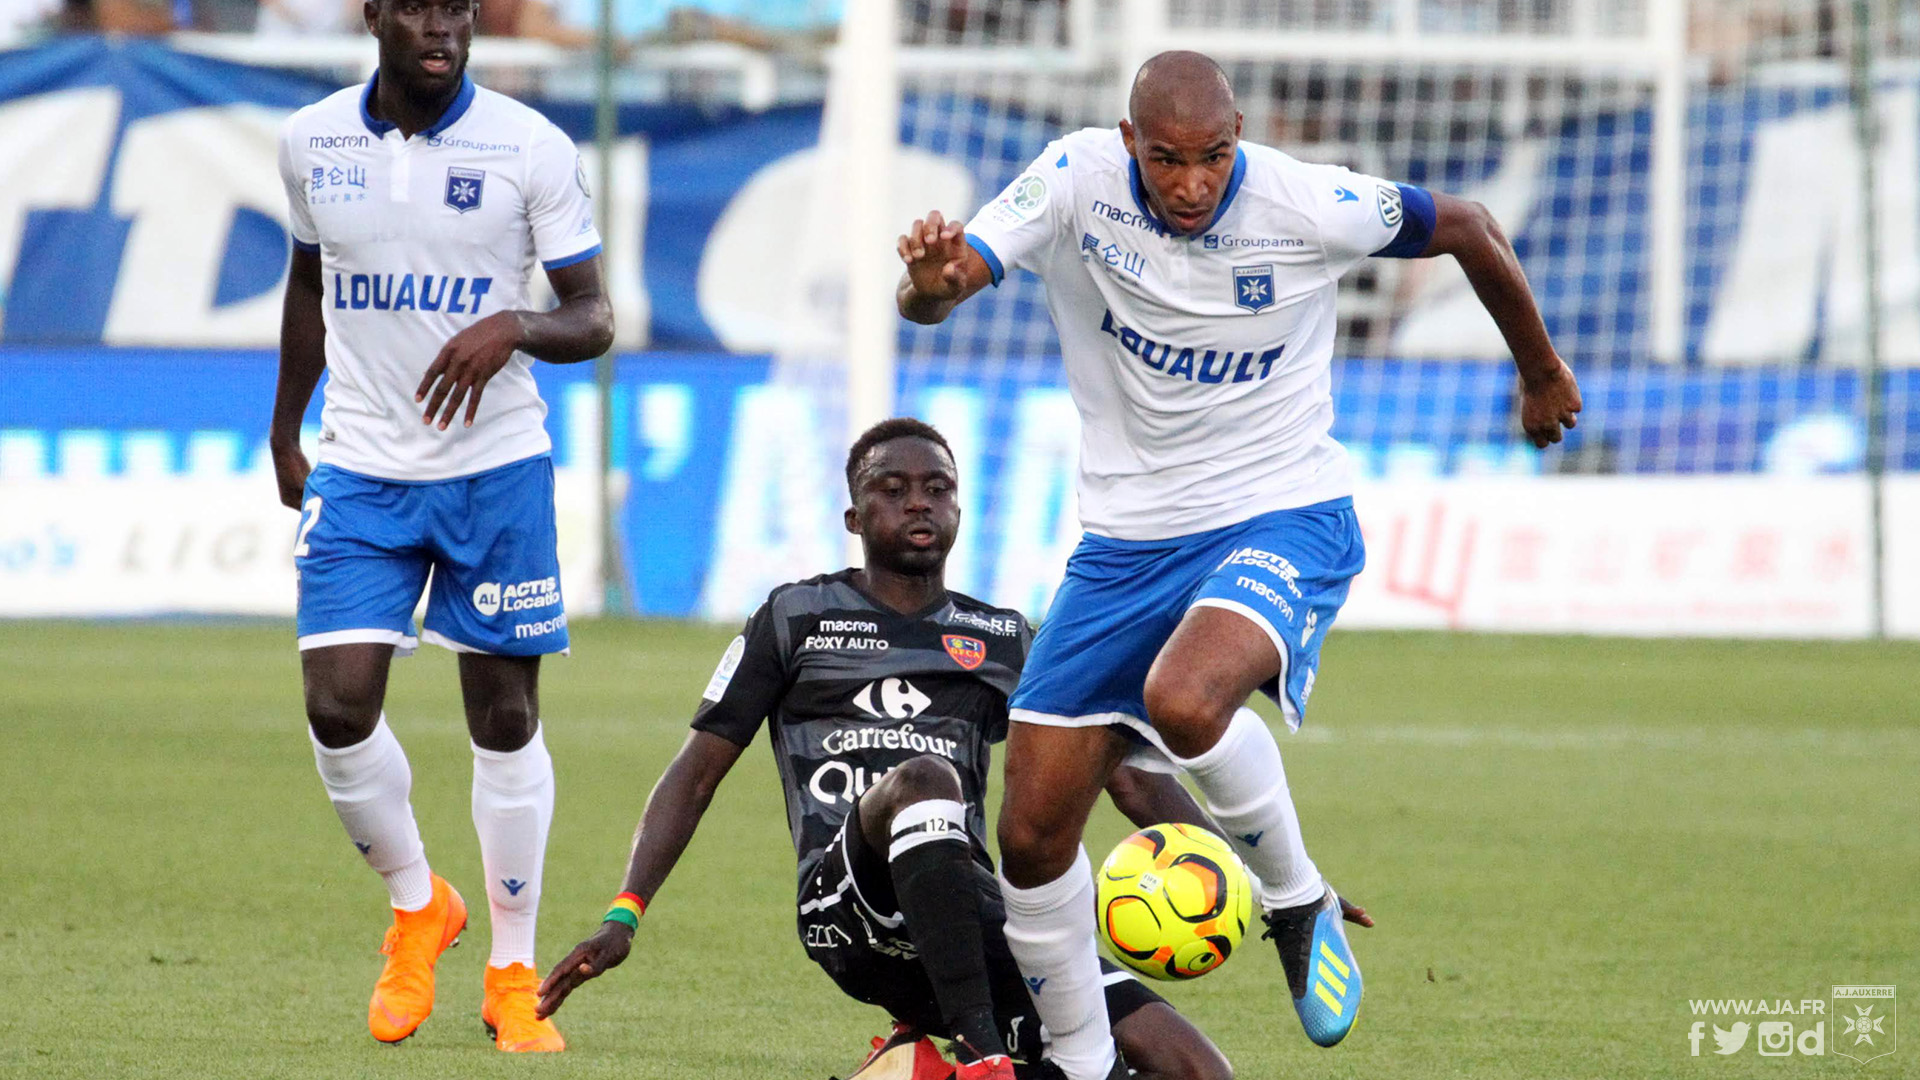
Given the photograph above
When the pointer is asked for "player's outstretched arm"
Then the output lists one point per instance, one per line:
(580, 328)
(943, 270)
(1465, 230)
(303, 356)
(673, 812)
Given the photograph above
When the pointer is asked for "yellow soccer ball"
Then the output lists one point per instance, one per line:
(1173, 901)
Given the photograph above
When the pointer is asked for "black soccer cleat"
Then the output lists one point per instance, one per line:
(1322, 974)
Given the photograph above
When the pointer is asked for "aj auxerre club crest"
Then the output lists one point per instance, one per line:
(1390, 209)
(1866, 1022)
(1253, 287)
(464, 187)
(968, 652)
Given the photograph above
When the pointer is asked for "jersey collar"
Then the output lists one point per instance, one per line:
(1233, 188)
(933, 607)
(462, 101)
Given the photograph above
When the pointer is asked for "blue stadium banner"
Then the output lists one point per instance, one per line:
(140, 201)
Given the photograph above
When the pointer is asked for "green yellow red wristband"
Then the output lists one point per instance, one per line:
(626, 910)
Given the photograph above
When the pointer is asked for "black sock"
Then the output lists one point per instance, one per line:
(939, 893)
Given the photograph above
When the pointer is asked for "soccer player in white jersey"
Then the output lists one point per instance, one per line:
(1192, 278)
(420, 203)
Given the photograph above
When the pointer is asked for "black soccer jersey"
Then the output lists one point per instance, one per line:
(851, 688)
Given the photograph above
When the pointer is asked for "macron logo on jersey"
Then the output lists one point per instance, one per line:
(1127, 217)
(409, 292)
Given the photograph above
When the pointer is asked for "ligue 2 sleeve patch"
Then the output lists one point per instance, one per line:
(723, 674)
(1021, 202)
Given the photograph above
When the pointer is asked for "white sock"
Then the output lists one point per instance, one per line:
(1245, 787)
(369, 783)
(1050, 930)
(512, 811)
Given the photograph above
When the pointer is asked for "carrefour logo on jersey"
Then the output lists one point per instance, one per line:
(401, 292)
(835, 782)
(1193, 364)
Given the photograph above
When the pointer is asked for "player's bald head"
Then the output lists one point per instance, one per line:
(1181, 89)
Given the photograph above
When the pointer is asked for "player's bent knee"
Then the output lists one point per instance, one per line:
(916, 779)
(925, 777)
(1032, 853)
(504, 726)
(341, 718)
(1185, 712)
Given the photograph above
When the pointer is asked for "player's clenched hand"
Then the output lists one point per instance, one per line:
(290, 471)
(1549, 403)
(605, 949)
(466, 363)
(934, 250)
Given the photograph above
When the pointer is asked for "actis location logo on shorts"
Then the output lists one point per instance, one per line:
(492, 597)
(1858, 1022)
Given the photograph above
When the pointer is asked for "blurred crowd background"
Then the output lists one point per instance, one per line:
(1724, 33)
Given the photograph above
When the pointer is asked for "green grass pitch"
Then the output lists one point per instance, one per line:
(1564, 841)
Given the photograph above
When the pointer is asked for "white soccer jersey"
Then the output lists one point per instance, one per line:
(420, 238)
(1201, 366)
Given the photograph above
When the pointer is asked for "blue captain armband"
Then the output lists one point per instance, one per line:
(1413, 208)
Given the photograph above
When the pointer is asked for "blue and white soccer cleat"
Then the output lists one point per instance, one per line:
(1322, 973)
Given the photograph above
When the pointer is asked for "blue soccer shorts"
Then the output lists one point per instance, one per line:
(1287, 572)
(365, 548)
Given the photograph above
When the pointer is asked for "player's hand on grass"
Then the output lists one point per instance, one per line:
(1549, 403)
(1354, 913)
(466, 363)
(290, 471)
(605, 949)
(935, 252)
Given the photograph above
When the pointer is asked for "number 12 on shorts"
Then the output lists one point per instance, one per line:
(312, 513)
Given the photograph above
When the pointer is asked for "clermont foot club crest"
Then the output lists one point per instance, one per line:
(464, 187)
(1866, 1022)
(1253, 287)
(968, 652)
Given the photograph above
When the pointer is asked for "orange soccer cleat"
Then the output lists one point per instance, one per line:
(403, 997)
(904, 1055)
(512, 993)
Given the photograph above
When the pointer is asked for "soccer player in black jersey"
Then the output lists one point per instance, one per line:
(883, 693)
